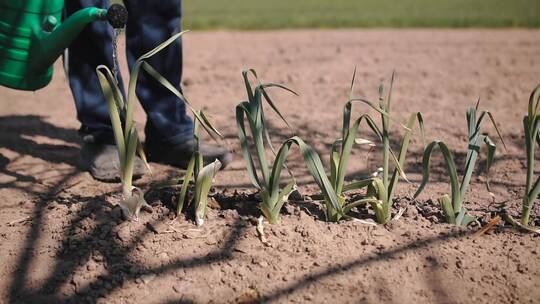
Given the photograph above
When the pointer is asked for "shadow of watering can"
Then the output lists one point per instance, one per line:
(32, 37)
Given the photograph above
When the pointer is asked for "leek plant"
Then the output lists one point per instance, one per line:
(531, 125)
(201, 176)
(268, 182)
(452, 206)
(339, 158)
(383, 190)
(121, 114)
(336, 203)
(127, 140)
(380, 191)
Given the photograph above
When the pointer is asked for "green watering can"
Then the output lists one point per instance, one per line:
(32, 37)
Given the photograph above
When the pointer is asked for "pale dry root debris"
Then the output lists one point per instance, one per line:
(260, 232)
(399, 214)
(360, 221)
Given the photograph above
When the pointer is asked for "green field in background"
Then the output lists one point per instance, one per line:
(275, 14)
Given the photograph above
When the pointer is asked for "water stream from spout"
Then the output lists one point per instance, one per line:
(117, 32)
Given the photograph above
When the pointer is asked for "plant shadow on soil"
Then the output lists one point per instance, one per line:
(102, 221)
(17, 136)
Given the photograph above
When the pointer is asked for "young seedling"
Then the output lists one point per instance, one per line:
(125, 133)
(337, 205)
(380, 192)
(452, 206)
(531, 125)
(127, 141)
(339, 157)
(267, 183)
(201, 176)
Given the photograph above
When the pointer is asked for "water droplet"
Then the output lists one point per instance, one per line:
(117, 33)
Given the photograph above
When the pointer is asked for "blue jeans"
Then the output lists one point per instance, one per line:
(150, 23)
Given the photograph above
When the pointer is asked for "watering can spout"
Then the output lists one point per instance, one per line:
(32, 38)
(53, 38)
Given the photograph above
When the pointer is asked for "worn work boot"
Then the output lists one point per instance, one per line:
(102, 161)
(180, 154)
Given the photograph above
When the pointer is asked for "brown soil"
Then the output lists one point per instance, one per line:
(62, 238)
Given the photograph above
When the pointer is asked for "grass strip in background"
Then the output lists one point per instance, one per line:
(278, 14)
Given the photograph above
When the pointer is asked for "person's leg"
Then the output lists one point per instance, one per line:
(149, 24)
(169, 130)
(91, 48)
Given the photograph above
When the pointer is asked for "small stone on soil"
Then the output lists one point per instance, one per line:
(147, 278)
(124, 233)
